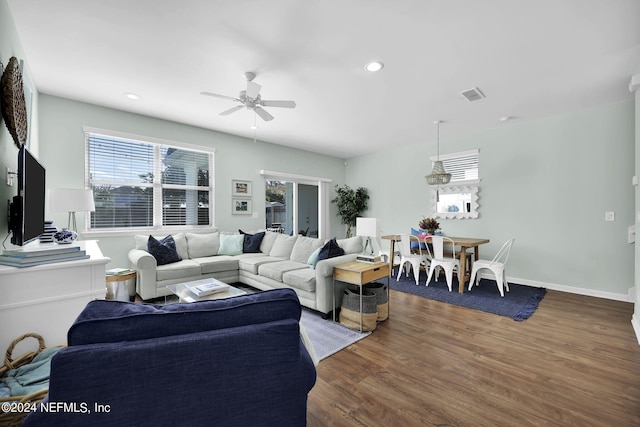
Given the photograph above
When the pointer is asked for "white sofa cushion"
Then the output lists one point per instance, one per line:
(216, 264)
(352, 245)
(303, 248)
(267, 241)
(250, 265)
(178, 270)
(203, 245)
(275, 270)
(180, 239)
(283, 245)
(304, 278)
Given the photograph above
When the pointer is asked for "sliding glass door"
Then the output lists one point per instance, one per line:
(295, 205)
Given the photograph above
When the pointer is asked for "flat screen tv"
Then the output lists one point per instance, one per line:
(26, 213)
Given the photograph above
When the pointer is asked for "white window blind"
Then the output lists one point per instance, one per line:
(462, 166)
(145, 184)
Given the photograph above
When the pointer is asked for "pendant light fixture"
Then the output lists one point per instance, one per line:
(438, 175)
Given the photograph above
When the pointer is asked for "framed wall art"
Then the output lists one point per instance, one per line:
(240, 188)
(241, 206)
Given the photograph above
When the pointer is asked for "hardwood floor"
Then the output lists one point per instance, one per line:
(575, 362)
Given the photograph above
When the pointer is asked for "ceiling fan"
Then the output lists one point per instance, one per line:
(251, 99)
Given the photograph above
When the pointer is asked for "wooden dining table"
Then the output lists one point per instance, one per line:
(463, 242)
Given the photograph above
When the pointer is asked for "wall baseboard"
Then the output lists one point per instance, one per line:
(635, 322)
(628, 297)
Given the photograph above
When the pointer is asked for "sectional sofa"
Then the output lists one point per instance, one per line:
(225, 363)
(263, 259)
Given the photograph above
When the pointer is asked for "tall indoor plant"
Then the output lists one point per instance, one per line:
(351, 203)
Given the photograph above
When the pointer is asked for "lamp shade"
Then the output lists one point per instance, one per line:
(367, 227)
(71, 200)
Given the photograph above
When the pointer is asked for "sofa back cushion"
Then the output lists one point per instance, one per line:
(203, 245)
(352, 245)
(283, 246)
(179, 238)
(267, 242)
(303, 248)
(104, 321)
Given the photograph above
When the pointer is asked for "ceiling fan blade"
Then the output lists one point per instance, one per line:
(215, 95)
(253, 89)
(263, 114)
(232, 110)
(282, 104)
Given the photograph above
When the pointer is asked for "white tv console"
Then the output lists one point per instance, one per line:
(46, 299)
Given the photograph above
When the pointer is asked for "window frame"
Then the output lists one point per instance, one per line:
(456, 161)
(158, 187)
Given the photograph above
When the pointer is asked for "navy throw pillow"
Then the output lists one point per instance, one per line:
(330, 249)
(164, 251)
(251, 242)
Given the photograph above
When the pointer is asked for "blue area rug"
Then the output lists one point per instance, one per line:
(519, 303)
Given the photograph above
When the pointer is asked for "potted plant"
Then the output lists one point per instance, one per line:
(351, 203)
(429, 225)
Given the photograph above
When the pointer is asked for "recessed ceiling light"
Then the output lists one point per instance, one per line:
(254, 127)
(132, 96)
(374, 66)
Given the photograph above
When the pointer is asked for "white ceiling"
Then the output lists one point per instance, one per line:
(531, 58)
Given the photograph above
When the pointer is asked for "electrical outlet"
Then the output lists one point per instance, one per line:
(609, 216)
(10, 175)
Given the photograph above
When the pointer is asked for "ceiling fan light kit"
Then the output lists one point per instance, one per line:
(251, 100)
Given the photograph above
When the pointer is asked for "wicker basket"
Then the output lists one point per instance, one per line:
(350, 310)
(382, 299)
(15, 418)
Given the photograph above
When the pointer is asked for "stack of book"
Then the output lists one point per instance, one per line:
(49, 231)
(202, 288)
(118, 271)
(27, 257)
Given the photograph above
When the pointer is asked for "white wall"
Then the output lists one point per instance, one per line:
(62, 153)
(636, 314)
(548, 183)
(10, 46)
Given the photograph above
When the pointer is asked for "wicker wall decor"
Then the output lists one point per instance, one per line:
(14, 110)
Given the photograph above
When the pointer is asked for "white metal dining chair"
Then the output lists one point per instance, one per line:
(497, 267)
(407, 257)
(439, 260)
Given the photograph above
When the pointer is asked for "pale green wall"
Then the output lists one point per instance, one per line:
(546, 182)
(62, 153)
(10, 46)
(637, 212)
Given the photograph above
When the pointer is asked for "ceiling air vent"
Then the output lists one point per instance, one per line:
(473, 94)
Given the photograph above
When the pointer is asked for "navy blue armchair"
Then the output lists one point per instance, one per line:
(231, 362)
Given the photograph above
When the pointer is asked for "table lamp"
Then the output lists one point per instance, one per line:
(367, 227)
(71, 200)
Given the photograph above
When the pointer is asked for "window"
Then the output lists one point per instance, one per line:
(462, 166)
(141, 183)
